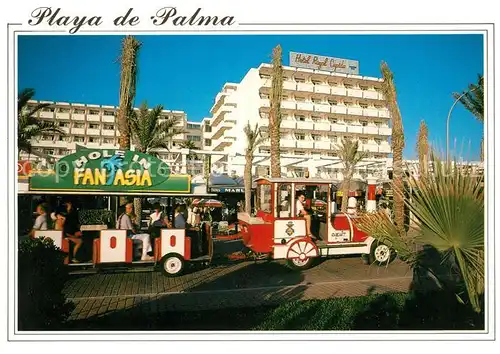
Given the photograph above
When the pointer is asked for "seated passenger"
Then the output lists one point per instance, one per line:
(179, 220)
(301, 211)
(41, 220)
(124, 222)
(72, 229)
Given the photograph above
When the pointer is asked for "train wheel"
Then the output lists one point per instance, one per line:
(301, 254)
(172, 265)
(381, 254)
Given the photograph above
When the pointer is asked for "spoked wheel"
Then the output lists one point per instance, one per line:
(172, 265)
(381, 254)
(301, 254)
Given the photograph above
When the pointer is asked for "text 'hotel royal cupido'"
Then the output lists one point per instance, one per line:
(324, 101)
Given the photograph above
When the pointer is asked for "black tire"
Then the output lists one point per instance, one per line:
(308, 263)
(172, 265)
(381, 254)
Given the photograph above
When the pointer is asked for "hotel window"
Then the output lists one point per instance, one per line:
(265, 76)
(264, 115)
(194, 137)
(208, 128)
(333, 120)
(348, 86)
(64, 152)
(332, 154)
(78, 111)
(348, 104)
(78, 139)
(316, 137)
(333, 139)
(316, 118)
(109, 127)
(49, 151)
(378, 106)
(63, 138)
(285, 98)
(264, 151)
(108, 113)
(208, 142)
(333, 83)
(300, 153)
(47, 137)
(63, 124)
(108, 141)
(363, 105)
(64, 110)
(264, 96)
(378, 141)
(93, 140)
(364, 123)
(332, 102)
(93, 126)
(78, 125)
(193, 126)
(316, 82)
(300, 99)
(48, 109)
(363, 87)
(316, 100)
(300, 118)
(300, 80)
(364, 140)
(300, 136)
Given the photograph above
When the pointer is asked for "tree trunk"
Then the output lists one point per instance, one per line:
(248, 183)
(138, 212)
(482, 150)
(275, 112)
(345, 191)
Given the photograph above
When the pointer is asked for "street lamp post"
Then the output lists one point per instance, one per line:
(448, 124)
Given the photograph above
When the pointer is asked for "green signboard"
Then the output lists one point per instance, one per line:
(110, 171)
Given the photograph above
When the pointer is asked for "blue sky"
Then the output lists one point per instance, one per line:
(185, 72)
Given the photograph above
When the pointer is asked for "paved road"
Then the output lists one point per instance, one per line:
(244, 284)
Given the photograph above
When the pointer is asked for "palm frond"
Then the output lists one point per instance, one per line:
(473, 100)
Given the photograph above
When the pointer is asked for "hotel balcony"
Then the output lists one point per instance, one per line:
(305, 87)
(108, 132)
(370, 130)
(264, 122)
(93, 118)
(323, 145)
(384, 148)
(44, 143)
(287, 143)
(94, 132)
(61, 115)
(339, 109)
(108, 119)
(338, 91)
(266, 82)
(338, 128)
(354, 93)
(304, 125)
(289, 85)
(383, 113)
(367, 112)
(305, 106)
(288, 105)
(76, 116)
(78, 131)
(322, 126)
(357, 129)
(369, 147)
(264, 102)
(50, 115)
(288, 124)
(322, 89)
(385, 131)
(355, 111)
(305, 144)
(372, 95)
(319, 107)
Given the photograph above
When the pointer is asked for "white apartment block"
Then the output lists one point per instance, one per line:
(95, 126)
(319, 109)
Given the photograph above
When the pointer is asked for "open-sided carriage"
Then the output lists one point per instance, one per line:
(278, 232)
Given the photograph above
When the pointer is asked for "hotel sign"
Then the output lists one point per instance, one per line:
(311, 61)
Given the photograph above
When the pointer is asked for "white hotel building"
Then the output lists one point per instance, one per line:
(319, 108)
(95, 126)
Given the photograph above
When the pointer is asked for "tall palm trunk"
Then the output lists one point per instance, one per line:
(275, 112)
(345, 191)
(423, 149)
(248, 182)
(398, 144)
(128, 80)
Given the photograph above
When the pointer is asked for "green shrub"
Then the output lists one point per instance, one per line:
(42, 274)
(95, 217)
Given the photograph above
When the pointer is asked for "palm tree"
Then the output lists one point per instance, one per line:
(254, 139)
(128, 81)
(350, 156)
(397, 142)
(448, 209)
(275, 112)
(189, 144)
(423, 149)
(150, 131)
(473, 101)
(30, 126)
